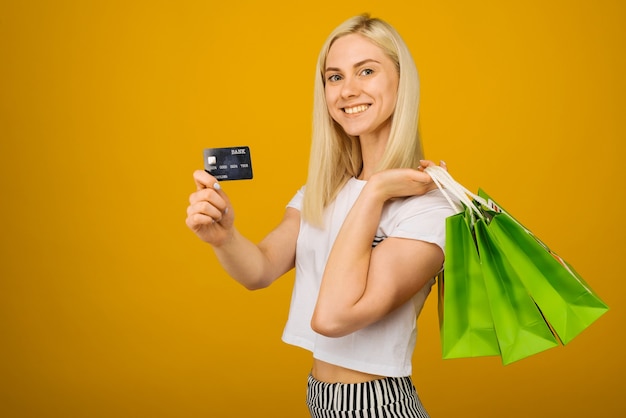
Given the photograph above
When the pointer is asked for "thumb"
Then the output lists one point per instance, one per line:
(204, 180)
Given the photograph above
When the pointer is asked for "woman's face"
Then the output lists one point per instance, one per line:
(361, 86)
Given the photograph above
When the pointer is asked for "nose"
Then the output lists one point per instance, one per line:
(349, 87)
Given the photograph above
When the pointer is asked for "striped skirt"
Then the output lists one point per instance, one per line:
(389, 398)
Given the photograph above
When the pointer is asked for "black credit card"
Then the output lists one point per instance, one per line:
(231, 163)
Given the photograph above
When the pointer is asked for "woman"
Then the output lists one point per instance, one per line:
(365, 234)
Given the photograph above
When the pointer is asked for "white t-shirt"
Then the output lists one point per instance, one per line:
(385, 347)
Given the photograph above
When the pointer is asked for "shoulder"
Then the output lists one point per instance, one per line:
(296, 200)
(418, 217)
(433, 202)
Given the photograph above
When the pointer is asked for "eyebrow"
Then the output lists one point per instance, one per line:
(358, 64)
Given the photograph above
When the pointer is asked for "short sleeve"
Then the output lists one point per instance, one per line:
(296, 201)
(422, 218)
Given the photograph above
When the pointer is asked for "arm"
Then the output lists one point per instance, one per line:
(361, 285)
(211, 216)
(257, 266)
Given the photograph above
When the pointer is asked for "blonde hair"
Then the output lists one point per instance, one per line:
(336, 156)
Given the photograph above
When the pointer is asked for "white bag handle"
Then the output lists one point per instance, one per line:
(447, 184)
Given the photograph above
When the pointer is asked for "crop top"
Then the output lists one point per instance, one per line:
(385, 347)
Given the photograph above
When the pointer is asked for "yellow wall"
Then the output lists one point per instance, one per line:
(110, 307)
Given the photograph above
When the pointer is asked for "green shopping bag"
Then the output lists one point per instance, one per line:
(566, 300)
(466, 325)
(510, 255)
(520, 327)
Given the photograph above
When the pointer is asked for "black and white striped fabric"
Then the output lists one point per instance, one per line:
(392, 397)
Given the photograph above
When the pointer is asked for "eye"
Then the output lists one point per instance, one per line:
(367, 71)
(334, 77)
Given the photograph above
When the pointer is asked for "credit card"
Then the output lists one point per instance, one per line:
(230, 163)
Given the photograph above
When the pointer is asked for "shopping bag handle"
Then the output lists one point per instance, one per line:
(449, 186)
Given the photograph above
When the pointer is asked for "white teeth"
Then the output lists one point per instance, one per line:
(356, 109)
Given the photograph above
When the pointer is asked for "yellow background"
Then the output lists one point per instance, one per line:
(110, 307)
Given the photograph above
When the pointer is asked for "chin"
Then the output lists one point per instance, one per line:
(353, 133)
(352, 130)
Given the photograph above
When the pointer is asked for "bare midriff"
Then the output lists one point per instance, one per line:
(330, 373)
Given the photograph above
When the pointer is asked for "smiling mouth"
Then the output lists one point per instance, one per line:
(356, 109)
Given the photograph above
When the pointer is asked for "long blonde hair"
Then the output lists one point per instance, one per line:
(336, 156)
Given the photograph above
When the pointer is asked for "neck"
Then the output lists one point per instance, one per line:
(372, 149)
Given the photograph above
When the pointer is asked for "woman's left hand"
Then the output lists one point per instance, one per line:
(403, 182)
(428, 163)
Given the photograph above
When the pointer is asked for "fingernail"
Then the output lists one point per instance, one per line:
(217, 186)
(225, 211)
(442, 162)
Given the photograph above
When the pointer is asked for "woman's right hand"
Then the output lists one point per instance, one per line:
(210, 214)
